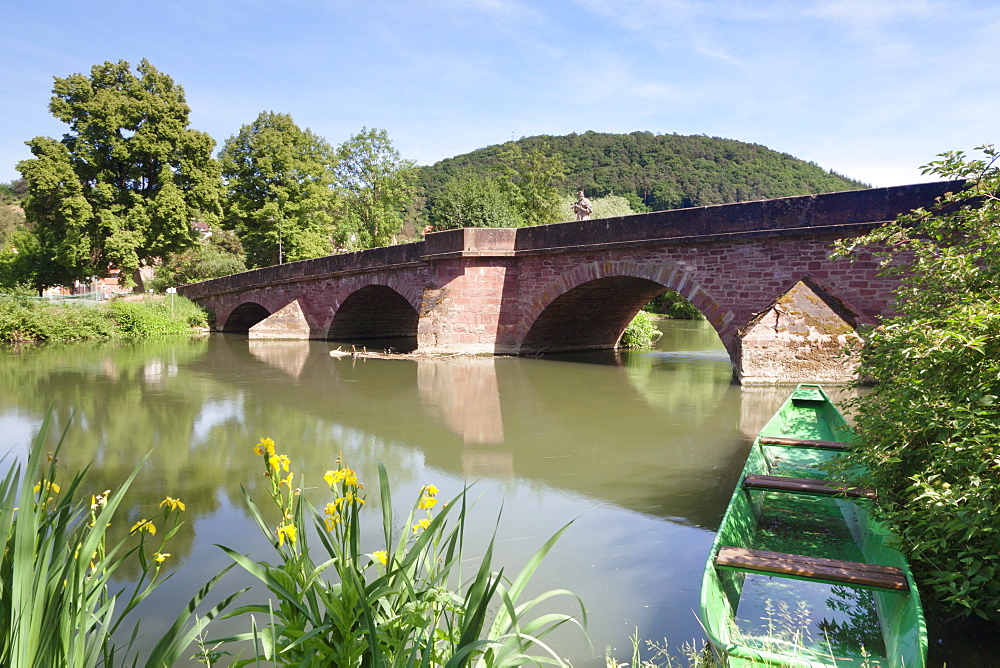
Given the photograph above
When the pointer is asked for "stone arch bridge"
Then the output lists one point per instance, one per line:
(761, 273)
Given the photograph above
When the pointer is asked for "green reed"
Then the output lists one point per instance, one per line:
(409, 604)
(57, 606)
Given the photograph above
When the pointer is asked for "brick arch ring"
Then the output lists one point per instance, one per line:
(401, 285)
(669, 275)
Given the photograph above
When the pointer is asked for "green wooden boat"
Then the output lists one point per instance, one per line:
(799, 573)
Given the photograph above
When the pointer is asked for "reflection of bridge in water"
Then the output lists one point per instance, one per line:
(663, 453)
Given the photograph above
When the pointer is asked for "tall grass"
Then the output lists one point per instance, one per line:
(57, 607)
(409, 604)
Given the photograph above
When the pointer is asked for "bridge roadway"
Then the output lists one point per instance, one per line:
(761, 273)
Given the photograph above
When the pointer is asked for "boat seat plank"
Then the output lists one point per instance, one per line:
(804, 443)
(816, 568)
(776, 483)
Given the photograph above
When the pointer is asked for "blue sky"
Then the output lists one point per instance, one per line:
(872, 89)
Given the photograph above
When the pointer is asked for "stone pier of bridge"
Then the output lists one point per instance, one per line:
(762, 273)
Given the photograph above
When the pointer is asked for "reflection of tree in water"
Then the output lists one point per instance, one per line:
(678, 382)
(111, 398)
(860, 627)
(156, 397)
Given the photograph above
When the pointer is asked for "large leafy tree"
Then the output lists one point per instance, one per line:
(929, 431)
(472, 201)
(124, 184)
(377, 184)
(532, 177)
(281, 190)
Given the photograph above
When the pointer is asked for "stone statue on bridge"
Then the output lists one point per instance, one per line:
(582, 207)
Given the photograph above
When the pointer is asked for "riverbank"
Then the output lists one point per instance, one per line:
(30, 320)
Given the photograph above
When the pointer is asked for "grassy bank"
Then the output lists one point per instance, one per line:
(31, 320)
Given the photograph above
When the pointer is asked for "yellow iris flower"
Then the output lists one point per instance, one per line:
(266, 445)
(172, 503)
(48, 486)
(143, 525)
(286, 531)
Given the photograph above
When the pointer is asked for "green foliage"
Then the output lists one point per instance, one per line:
(469, 201)
(208, 259)
(122, 186)
(280, 186)
(56, 604)
(403, 605)
(376, 185)
(11, 220)
(641, 332)
(30, 320)
(532, 176)
(656, 171)
(673, 305)
(156, 317)
(929, 431)
(13, 192)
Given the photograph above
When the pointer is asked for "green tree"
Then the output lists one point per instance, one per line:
(219, 255)
(533, 176)
(377, 184)
(471, 201)
(929, 431)
(123, 185)
(280, 185)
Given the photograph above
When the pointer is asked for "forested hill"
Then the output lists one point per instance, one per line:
(664, 171)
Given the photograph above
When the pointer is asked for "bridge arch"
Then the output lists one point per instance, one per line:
(374, 311)
(590, 306)
(244, 316)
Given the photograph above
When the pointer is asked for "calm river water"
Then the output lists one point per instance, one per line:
(640, 450)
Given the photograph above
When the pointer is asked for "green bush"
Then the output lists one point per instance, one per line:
(929, 431)
(222, 255)
(640, 333)
(672, 304)
(147, 318)
(31, 320)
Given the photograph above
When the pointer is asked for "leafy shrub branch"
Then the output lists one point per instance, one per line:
(929, 431)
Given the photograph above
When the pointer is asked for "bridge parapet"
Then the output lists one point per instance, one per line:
(373, 259)
(811, 214)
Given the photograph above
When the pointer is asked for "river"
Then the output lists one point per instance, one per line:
(640, 450)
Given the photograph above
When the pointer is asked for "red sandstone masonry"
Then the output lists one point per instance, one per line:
(485, 290)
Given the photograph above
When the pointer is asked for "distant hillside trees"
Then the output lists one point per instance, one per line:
(13, 192)
(123, 184)
(376, 185)
(654, 172)
(281, 190)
